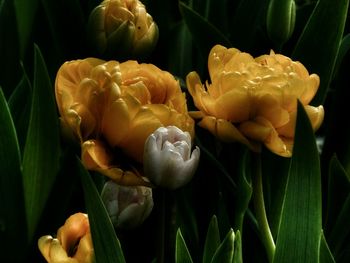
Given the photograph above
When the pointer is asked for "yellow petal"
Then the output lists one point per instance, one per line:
(226, 131)
(254, 130)
(269, 107)
(125, 177)
(233, 106)
(202, 100)
(316, 115)
(94, 155)
(44, 244)
(279, 145)
(116, 122)
(75, 227)
(141, 127)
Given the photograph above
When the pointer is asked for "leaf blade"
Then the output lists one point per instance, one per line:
(106, 244)
(301, 219)
(41, 151)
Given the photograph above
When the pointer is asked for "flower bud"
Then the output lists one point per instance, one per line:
(168, 161)
(127, 206)
(73, 242)
(122, 28)
(280, 20)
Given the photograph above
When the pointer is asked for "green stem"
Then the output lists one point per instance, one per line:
(259, 205)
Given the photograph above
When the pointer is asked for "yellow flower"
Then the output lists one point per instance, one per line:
(112, 108)
(122, 28)
(254, 100)
(73, 243)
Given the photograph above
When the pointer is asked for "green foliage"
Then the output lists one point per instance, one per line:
(106, 244)
(182, 253)
(41, 151)
(12, 213)
(319, 35)
(301, 220)
(39, 185)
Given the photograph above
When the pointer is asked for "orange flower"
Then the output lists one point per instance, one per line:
(112, 108)
(254, 100)
(73, 243)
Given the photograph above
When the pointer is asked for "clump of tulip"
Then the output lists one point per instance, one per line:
(111, 108)
(254, 100)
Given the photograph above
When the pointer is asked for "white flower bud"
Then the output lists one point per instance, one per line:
(167, 158)
(127, 206)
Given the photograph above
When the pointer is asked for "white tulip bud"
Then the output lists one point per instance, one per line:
(167, 158)
(127, 206)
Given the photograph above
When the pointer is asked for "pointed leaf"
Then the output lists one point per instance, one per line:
(182, 255)
(41, 152)
(325, 253)
(204, 34)
(247, 24)
(224, 253)
(20, 103)
(12, 211)
(25, 15)
(237, 255)
(313, 42)
(338, 191)
(301, 221)
(9, 55)
(106, 244)
(212, 240)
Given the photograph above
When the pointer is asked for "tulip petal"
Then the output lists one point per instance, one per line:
(142, 126)
(116, 122)
(73, 230)
(274, 142)
(44, 244)
(226, 131)
(94, 155)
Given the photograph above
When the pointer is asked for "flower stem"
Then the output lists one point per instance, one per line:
(259, 206)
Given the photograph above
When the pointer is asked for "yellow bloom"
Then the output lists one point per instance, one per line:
(112, 108)
(253, 100)
(73, 243)
(122, 28)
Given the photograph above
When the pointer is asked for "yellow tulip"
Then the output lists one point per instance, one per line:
(122, 28)
(254, 100)
(111, 108)
(73, 243)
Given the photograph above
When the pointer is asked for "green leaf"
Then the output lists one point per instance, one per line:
(204, 34)
(42, 151)
(247, 24)
(13, 238)
(301, 220)
(343, 50)
(338, 191)
(212, 240)
(244, 191)
(182, 255)
(20, 104)
(9, 55)
(237, 255)
(224, 253)
(25, 15)
(322, 35)
(325, 253)
(106, 244)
